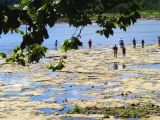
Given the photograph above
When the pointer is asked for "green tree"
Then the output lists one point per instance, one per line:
(37, 14)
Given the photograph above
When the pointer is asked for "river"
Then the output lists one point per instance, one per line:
(143, 29)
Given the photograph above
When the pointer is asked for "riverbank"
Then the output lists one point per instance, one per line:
(91, 77)
(145, 15)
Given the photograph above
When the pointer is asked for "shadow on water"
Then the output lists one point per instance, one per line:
(117, 66)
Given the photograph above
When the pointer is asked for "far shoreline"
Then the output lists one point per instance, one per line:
(143, 17)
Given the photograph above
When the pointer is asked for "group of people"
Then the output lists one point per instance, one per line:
(89, 44)
(134, 43)
(121, 43)
(115, 49)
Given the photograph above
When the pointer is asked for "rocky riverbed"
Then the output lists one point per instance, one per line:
(91, 77)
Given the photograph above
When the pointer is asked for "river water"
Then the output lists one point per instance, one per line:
(143, 29)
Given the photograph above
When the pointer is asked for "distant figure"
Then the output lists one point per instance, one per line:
(56, 44)
(90, 43)
(124, 51)
(121, 43)
(134, 43)
(158, 41)
(115, 50)
(142, 42)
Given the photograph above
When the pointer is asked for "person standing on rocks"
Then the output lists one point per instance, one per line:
(121, 43)
(56, 44)
(142, 42)
(90, 43)
(134, 43)
(115, 50)
(124, 51)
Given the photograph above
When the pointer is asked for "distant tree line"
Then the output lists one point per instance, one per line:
(153, 5)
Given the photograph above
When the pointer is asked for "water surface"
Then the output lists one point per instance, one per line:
(143, 29)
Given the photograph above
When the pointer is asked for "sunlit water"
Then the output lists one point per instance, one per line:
(143, 29)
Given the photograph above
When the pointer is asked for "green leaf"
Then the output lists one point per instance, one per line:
(3, 55)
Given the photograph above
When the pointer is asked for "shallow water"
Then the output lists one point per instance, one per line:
(63, 95)
(14, 79)
(112, 83)
(127, 75)
(148, 66)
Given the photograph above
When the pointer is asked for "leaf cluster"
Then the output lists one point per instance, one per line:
(73, 43)
(30, 54)
(59, 66)
(3, 55)
(38, 14)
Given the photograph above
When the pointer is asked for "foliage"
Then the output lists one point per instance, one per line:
(8, 1)
(3, 55)
(59, 66)
(18, 56)
(73, 43)
(150, 8)
(77, 109)
(35, 52)
(150, 5)
(38, 14)
(133, 110)
(30, 54)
